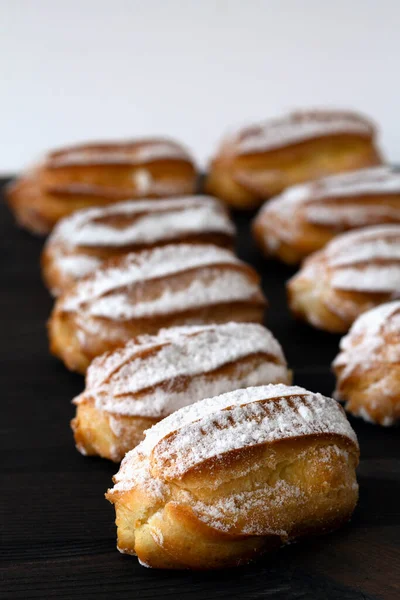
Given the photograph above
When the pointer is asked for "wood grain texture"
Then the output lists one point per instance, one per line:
(58, 535)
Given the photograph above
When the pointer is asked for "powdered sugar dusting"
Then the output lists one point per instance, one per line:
(77, 265)
(367, 342)
(241, 418)
(364, 260)
(338, 201)
(156, 383)
(238, 419)
(207, 289)
(150, 222)
(102, 294)
(142, 151)
(143, 266)
(298, 127)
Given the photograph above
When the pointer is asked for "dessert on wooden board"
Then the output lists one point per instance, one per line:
(259, 161)
(82, 241)
(130, 389)
(356, 271)
(141, 293)
(223, 480)
(367, 367)
(97, 174)
(305, 217)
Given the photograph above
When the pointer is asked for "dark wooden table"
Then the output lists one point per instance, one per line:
(58, 533)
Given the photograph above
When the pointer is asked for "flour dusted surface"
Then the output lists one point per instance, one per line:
(150, 222)
(298, 127)
(238, 419)
(173, 373)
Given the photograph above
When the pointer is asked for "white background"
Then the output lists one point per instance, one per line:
(78, 69)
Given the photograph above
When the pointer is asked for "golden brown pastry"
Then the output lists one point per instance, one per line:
(135, 386)
(353, 273)
(368, 366)
(260, 161)
(97, 174)
(82, 241)
(141, 293)
(223, 480)
(306, 217)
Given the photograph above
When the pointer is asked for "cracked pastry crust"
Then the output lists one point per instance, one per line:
(82, 241)
(98, 174)
(141, 293)
(304, 218)
(132, 388)
(219, 482)
(260, 161)
(353, 273)
(367, 367)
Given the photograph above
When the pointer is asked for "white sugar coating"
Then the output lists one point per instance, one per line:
(151, 221)
(350, 215)
(375, 279)
(337, 200)
(362, 251)
(119, 153)
(323, 415)
(140, 267)
(238, 419)
(115, 382)
(207, 289)
(346, 240)
(298, 127)
(364, 260)
(366, 339)
(371, 322)
(372, 181)
(77, 265)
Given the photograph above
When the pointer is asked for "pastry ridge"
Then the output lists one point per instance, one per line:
(82, 241)
(367, 366)
(138, 293)
(98, 174)
(305, 217)
(260, 161)
(354, 272)
(196, 483)
(152, 376)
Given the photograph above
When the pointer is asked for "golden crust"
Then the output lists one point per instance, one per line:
(353, 273)
(141, 293)
(97, 433)
(304, 218)
(229, 509)
(83, 240)
(130, 389)
(96, 175)
(259, 162)
(367, 367)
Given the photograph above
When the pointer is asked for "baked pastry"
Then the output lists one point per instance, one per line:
(260, 161)
(97, 174)
(305, 217)
(141, 293)
(129, 390)
(368, 366)
(353, 273)
(82, 241)
(223, 480)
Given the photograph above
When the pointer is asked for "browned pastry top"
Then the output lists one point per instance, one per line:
(217, 428)
(365, 260)
(153, 376)
(339, 202)
(125, 152)
(296, 128)
(164, 280)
